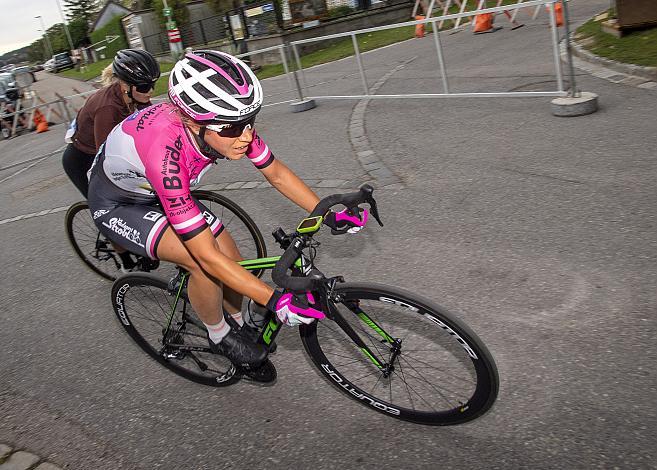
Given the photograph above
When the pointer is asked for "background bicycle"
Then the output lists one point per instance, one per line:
(98, 254)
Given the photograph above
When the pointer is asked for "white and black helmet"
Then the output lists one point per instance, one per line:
(212, 87)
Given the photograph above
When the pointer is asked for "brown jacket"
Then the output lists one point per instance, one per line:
(102, 111)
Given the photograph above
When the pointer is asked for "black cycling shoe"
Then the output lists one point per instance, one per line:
(240, 350)
(252, 333)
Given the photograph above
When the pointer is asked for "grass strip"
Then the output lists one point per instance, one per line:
(637, 47)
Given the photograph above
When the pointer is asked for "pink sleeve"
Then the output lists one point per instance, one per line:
(259, 152)
(167, 172)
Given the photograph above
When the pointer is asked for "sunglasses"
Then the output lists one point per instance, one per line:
(233, 129)
(145, 87)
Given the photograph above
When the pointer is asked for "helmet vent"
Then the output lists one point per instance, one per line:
(204, 92)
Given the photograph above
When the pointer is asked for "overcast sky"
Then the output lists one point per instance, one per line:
(18, 25)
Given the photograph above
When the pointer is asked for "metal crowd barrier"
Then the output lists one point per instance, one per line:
(297, 80)
(60, 107)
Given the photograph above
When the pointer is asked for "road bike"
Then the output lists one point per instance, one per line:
(98, 254)
(389, 349)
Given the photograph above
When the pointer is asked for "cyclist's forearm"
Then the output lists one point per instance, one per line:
(228, 271)
(291, 186)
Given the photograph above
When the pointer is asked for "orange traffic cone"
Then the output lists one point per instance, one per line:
(40, 121)
(483, 22)
(558, 13)
(419, 28)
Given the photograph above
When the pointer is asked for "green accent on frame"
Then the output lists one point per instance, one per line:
(259, 263)
(363, 316)
(372, 358)
(183, 282)
(271, 327)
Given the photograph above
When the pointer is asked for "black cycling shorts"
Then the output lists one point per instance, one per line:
(136, 227)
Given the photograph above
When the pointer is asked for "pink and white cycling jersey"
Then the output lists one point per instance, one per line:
(150, 154)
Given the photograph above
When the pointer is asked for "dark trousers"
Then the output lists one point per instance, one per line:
(76, 165)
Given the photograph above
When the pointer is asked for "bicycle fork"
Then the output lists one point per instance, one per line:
(386, 368)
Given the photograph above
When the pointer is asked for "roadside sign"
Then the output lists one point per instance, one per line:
(174, 35)
(166, 11)
(171, 25)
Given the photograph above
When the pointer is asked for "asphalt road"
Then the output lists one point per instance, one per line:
(539, 231)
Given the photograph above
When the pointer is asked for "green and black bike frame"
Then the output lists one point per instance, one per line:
(305, 277)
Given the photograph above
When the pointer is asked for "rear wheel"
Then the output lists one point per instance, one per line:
(165, 326)
(239, 224)
(432, 369)
(89, 244)
(97, 253)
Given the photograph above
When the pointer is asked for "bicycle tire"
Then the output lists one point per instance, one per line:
(87, 241)
(141, 303)
(471, 364)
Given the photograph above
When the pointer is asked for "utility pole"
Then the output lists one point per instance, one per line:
(68, 35)
(45, 34)
(175, 41)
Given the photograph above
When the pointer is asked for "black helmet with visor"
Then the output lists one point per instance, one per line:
(136, 67)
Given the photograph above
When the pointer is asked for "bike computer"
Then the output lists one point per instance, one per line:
(310, 225)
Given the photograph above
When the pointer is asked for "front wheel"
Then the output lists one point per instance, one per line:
(426, 367)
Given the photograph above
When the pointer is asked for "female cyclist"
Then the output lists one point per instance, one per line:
(128, 84)
(158, 153)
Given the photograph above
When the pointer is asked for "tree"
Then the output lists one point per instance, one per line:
(36, 52)
(221, 6)
(79, 31)
(136, 5)
(179, 11)
(86, 9)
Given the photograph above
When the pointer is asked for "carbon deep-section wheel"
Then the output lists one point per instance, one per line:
(428, 366)
(165, 326)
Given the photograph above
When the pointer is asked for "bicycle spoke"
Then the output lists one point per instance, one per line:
(406, 356)
(410, 397)
(427, 375)
(409, 387)
(433, 386)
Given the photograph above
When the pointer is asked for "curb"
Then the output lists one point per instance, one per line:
(649, 73)
(16, 459)
(598, 67)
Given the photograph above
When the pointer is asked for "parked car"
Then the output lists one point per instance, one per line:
(49, 65)
(7, 82)
(24, 69)
(63, 61)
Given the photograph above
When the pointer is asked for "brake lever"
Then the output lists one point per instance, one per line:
(374, 210)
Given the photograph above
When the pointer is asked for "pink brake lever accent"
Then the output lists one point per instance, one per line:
(358, 222)
(311, 312)
(286, 300)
